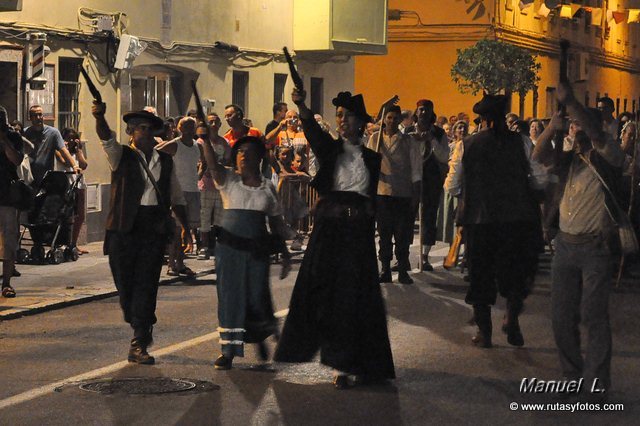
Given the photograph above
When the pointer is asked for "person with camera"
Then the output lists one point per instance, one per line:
(11, 155)
(74, 146)
(144, 188)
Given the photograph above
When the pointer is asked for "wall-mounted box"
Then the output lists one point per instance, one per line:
(10, 5)
(343, 27)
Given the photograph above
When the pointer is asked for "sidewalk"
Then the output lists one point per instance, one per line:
(46, 287)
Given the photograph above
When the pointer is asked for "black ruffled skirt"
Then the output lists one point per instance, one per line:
(337, 306)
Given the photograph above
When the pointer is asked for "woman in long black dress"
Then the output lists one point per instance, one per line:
(337, 306)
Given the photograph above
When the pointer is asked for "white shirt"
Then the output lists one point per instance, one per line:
(185, 163)
(351, 174)
(113, 150)
(237, 195)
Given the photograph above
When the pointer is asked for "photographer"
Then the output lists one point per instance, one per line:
(291, 135)
(74, 146)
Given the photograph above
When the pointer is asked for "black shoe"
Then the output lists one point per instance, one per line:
(139, 355)
(426, 266)
(404, 278)
(16, 273)
(511, 325)
(482, 339)
(395, 267)
(482, 316)
(263, 352)
(385, 276)
(223, 363)
(341, 382)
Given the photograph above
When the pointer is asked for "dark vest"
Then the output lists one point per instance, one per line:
(495, 179)
(127, 187)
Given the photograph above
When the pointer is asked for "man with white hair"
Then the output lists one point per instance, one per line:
(186, 154)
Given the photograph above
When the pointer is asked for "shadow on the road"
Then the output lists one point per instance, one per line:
(322, 404)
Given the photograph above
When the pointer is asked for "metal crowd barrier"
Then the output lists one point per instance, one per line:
(297, 195)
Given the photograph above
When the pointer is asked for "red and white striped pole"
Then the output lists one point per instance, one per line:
(39, 52)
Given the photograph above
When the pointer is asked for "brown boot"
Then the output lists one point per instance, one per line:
(138, 353)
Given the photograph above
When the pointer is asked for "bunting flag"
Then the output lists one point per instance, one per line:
(544, 10)
(575, 7)
(634, 16)
(596, 16)
(568, 10)
(525, 4)
(620, 16)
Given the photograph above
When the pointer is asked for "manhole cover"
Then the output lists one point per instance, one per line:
(138, 385)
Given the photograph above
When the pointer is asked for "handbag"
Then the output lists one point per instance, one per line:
(168, 225)
(626, 233)
(20, 195)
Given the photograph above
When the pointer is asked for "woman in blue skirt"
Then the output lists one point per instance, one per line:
(245, 310)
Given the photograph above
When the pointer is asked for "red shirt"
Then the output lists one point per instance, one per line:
(232, 136)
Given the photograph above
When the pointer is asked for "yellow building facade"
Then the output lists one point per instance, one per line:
(185, 40)
(425, 34)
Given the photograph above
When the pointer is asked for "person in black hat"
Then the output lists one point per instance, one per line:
(139, 220)
(500, 218)
(337, 306)
(435, 154)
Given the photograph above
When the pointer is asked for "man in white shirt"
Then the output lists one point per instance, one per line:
(398, 194)
(143, 187)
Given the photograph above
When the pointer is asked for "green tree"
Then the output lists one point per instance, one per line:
(494, 66)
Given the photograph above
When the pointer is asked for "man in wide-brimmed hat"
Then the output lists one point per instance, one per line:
(489, 171)
(143, 189)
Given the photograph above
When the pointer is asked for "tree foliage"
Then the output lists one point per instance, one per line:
(494, 66)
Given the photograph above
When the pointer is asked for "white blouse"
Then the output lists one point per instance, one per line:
(236, 195)
(351, 174)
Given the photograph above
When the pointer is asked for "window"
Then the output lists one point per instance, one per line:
(279, 81)
(624, 103)
(239, 90)
(535, 102)
(69, 91)
(317, 95)
(586, 99)
(551, 101)
(151, 91)
(633, 106)
(617, 106)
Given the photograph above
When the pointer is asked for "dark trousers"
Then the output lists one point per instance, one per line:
(431, 193)
(136, 259)
(500, 256)
(581, 283)
(394, 218)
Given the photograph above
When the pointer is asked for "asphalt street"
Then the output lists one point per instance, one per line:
(441, 376)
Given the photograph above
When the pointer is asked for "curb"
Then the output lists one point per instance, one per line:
(90, 298)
